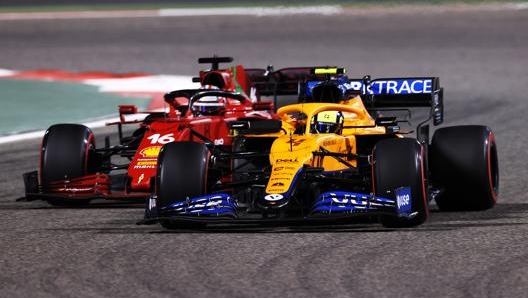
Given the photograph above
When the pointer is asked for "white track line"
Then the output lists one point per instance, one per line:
(172, 12)
(262, 11)
(253, 11)
(78, 15)
(6, 72)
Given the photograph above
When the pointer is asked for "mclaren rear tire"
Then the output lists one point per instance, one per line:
(464, 164)
(181, 173)
(67, 152)
(399, 163)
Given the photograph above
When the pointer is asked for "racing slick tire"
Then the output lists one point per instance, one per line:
(181, 173)
(398, 163)
(67, 152)
(464, 164)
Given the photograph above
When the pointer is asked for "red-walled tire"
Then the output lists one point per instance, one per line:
(464, 164)
(66, 152)
(181, 173)
(400, 163)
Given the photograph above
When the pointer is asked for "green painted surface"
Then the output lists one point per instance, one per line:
(28, 105)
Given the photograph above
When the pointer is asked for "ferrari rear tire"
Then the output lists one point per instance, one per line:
(67, 151)
(464, 164)
(181, 174)
(399, 163)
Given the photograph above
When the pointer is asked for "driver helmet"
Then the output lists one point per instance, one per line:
(209, 87)
(209, 105)
(327, 122)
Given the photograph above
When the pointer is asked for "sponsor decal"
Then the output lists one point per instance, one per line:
(145, 164)
(152, 151)
(329, 143)
(219, 141)
(403, 199)
(277, 184)
(208, 204)
(148, 159)
(378, 87)
(281, 179)
(286, 160)
(273, 197)
(349, 199)
(283, 168)
(404, 86)
(287, 174)
(276, 190)
(141, 177)
(143, 167)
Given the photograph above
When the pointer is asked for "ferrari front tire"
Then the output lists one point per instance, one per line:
(66, 153)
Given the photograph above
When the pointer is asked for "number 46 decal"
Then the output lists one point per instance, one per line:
(161, 139)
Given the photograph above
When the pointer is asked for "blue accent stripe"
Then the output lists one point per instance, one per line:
(220, 204)
(349, 202)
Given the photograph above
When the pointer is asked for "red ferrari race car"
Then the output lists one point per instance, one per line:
(73, 170)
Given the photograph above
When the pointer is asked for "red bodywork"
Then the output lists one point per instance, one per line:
(183, 128)
(178, 123)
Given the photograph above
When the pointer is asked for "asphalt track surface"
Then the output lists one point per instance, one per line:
(482, 60)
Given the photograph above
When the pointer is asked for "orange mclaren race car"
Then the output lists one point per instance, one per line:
(342, 152)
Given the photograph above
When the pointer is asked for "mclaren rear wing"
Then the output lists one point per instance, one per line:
(387, 93)
(382, 93)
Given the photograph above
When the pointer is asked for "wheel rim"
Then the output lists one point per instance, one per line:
(493, 168)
